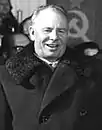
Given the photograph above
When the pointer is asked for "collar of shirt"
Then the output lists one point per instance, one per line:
(53, 64)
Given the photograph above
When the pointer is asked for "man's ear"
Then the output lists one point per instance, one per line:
(31, 33)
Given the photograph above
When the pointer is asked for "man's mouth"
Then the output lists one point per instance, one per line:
(52, 45)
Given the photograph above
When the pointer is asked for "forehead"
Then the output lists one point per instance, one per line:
(51, 17)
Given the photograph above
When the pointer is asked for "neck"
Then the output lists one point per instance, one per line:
(48, 60)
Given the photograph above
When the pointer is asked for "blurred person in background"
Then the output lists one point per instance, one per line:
(24, 26)
(8, 25)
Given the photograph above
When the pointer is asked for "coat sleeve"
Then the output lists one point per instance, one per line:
(2, 109)
(5, 112)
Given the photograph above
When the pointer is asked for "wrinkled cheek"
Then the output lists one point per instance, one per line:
(37, 47)
(64, 42)
(62, 50)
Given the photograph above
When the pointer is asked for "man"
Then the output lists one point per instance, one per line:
(16, 43)
(24, 26)
(44, 88)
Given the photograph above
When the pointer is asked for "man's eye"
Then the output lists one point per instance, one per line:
(47, 30)
(62, 31)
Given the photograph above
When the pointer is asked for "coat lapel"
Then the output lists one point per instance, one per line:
(63, 79)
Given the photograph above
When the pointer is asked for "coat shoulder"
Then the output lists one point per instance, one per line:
(21, 66)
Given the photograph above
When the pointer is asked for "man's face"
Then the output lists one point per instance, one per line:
(50, 34)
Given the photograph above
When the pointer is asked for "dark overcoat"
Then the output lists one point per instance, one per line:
(43, 98)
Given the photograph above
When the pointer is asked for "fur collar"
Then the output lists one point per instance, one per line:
(23, 65)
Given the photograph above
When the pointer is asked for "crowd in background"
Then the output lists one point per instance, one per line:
(14, 36)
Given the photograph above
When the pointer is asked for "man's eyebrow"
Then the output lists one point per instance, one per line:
(52, 28)
(47, 28)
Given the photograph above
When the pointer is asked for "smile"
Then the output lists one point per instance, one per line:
(52, 45)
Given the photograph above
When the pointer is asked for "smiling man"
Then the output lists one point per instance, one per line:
(45, 88)
(49, 31)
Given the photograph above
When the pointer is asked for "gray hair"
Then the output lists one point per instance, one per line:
(43, 7)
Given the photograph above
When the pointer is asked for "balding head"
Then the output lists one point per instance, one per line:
(49, 30)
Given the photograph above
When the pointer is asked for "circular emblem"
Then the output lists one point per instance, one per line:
(73, 24)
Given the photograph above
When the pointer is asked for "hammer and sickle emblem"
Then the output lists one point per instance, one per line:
(80, 32)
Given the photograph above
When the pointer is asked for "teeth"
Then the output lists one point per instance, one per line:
(52, 45)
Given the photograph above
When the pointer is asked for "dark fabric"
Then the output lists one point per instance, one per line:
(9, 24)
(2, 110)
(5, 112)
(2, 60)
(40, 98)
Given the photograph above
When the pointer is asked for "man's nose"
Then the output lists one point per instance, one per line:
(54, 35)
